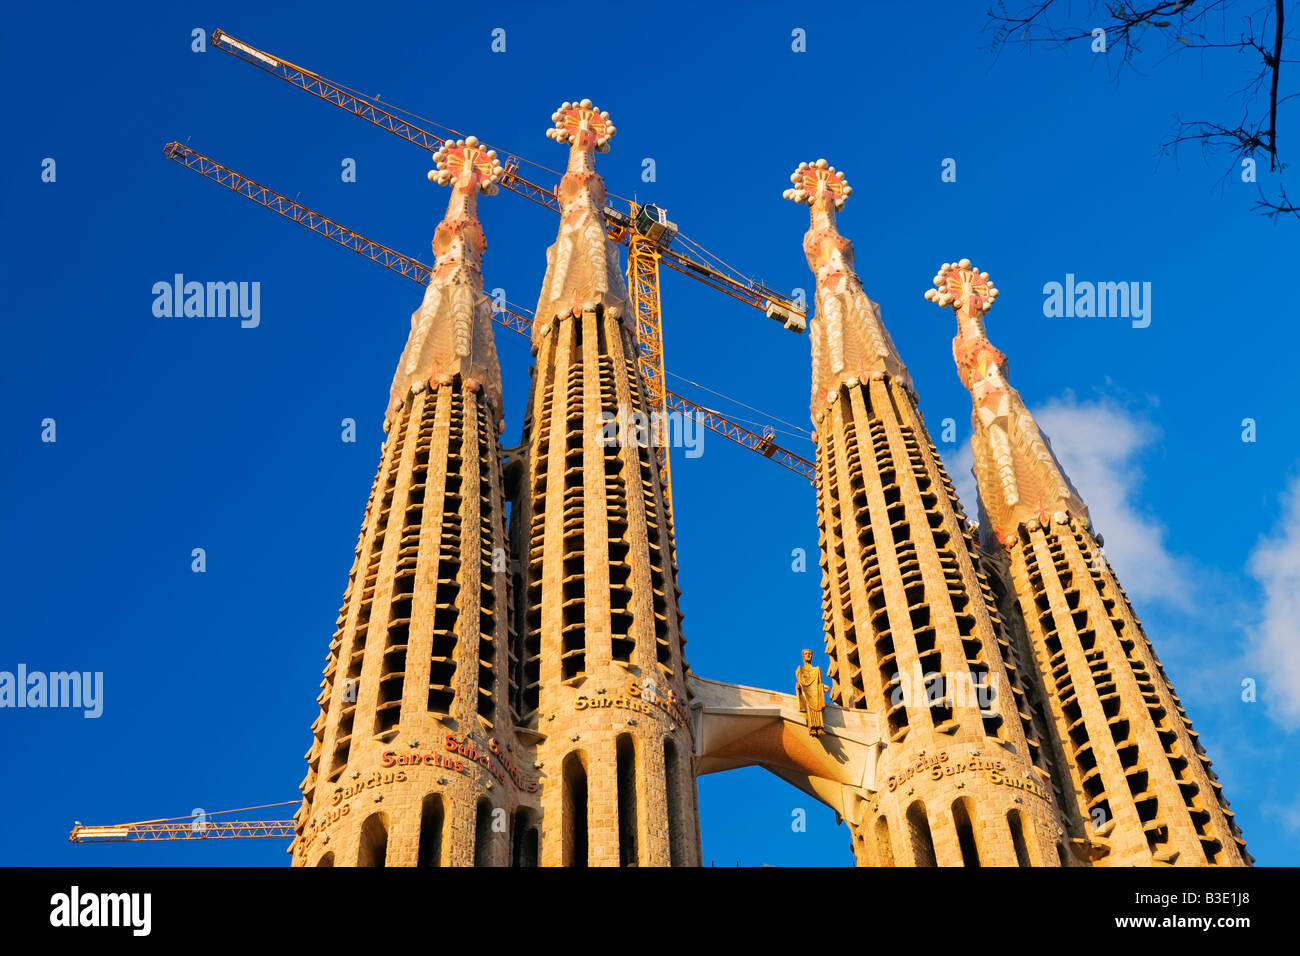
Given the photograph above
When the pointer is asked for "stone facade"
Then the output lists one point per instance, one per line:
(599, 624)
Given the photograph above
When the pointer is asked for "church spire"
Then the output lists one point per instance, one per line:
(849, 342)
(582, 267)
(1020, 481)
(451, 331)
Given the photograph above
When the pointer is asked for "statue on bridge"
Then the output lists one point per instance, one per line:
(811, 693)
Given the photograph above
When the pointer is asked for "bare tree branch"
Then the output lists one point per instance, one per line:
(1204, 25)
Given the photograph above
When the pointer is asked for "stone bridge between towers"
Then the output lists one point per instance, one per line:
(738, 726)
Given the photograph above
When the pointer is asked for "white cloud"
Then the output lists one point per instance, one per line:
(1274, 644)
(1099, 444)
(1208, 627)
(964, 481)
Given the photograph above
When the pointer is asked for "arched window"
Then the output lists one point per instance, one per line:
(673, 786)
(962, 816)
(575, 810)
(483, 842)
(1016, 823)
(524, 842)
(918, 827)
(326, 860)
(374, 841)
(625, 751)
(432, 816)
(884, 846)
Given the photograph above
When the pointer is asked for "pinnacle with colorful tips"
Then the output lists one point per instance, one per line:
(585, 127)
(849, 342)
(582, 266)
(1020, 481)
(451, 331)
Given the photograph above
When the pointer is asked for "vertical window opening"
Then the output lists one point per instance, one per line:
(673, 786)
(483, 855)
(919, 829)
(1018, 837)
(575, 811)
(432, 816)
(961, 816)
(627, 809)
(374, 841)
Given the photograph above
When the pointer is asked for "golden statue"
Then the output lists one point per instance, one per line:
(811, 693)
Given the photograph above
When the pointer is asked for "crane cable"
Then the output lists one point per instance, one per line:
(798, 431)
(215, 813)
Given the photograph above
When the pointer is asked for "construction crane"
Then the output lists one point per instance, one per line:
(186, 828)
(510, 316)
(645, 230)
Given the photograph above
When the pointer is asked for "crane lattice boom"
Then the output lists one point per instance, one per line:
(155, 830)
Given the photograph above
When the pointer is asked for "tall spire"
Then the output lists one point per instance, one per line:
(849, 342)
(582, 268)
(419, 658)
(1136, 786)
(451, 331)
(1020, 480)
(598, 620)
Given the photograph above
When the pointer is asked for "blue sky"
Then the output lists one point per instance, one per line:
(183, 433)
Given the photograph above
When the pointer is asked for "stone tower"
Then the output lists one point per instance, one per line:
(599, 676)
(1140, 784)
(413, 761)
(912, 628)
